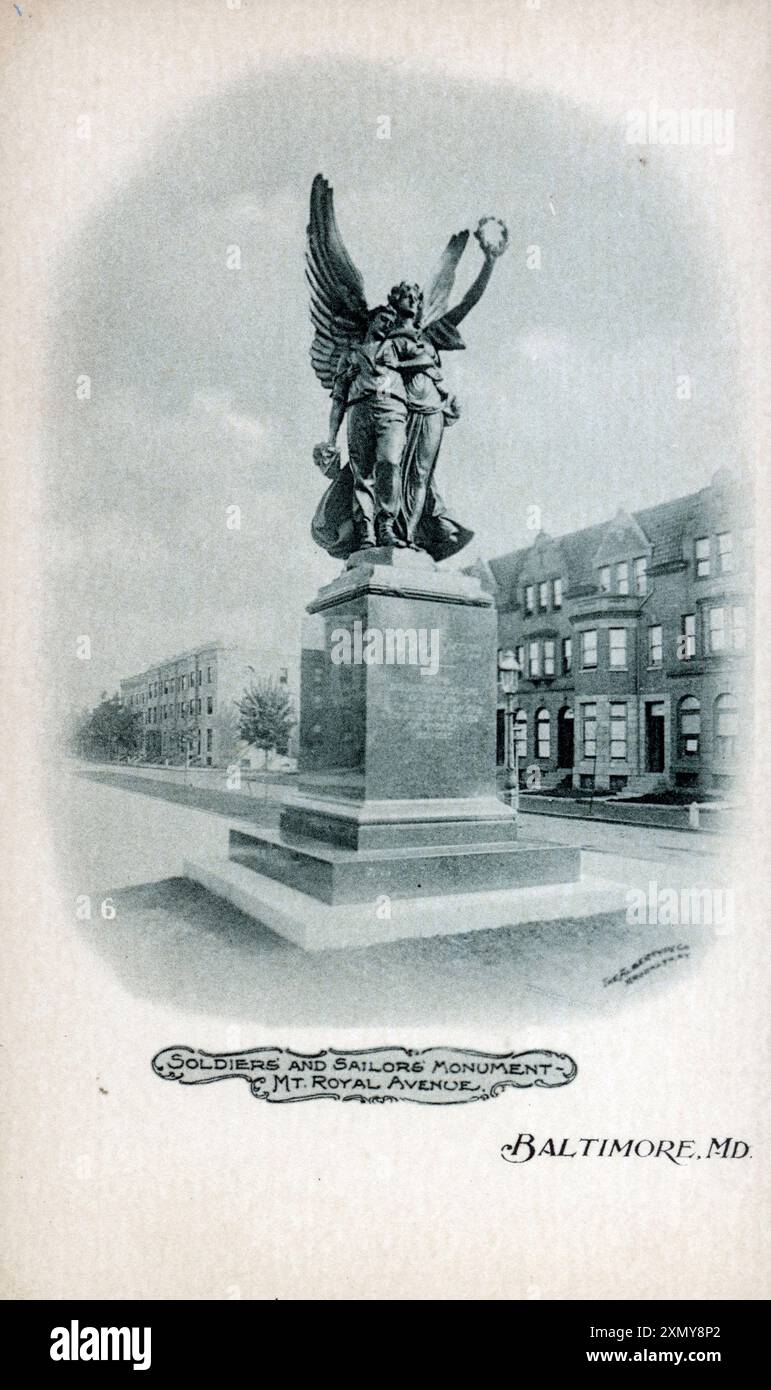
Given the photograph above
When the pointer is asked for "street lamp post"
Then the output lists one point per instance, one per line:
(508, 677)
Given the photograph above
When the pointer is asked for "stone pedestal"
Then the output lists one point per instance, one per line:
(396, 799)
(397, 710)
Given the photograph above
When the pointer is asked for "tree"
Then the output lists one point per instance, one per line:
(111, 730)
(229, 741)
(267, 717)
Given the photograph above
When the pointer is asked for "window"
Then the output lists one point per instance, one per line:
(529, 599)
(589, 649)
(200, 676)
(548, 658)
(590, 731)
(557, 591)
(543, 595)
(618, 731)
(209, 740)
(716, 637)
(567, 655)
(725, 559)
(542, 734)
(701, 551)
(208, 675)
(198, 706)
(689, 726)
(687, 644)
(726, 726)
(520, 733)
(726, 629)
(641, 575)
(622, 577)
(655, 645)
(520, 658)
(618, 648)
(605, 579)
(534, 660)
(209, 704)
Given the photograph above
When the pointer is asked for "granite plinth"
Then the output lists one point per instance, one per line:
(334, 875)
(398, 694)
(383, 824)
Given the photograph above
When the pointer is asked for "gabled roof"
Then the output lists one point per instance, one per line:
(666, 526)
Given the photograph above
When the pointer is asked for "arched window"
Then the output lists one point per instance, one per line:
(726, 726)
(689, 729)
(542, 734)
(520, 733)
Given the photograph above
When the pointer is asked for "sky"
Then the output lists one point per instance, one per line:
(202, 397)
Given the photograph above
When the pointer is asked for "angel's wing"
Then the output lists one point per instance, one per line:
(338, 306)
(439, 288)
(444, 336)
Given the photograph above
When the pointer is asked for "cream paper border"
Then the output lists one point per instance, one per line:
(168, 1193)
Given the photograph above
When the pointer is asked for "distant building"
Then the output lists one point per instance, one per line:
(187, 703)
(633, 637)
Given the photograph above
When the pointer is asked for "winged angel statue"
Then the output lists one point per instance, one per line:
(383, 370)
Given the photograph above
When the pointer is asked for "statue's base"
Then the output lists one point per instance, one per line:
(395, 828)
(334, 875)
(319, 926)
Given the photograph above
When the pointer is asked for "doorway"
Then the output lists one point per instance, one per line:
(654, 736)
(565, 737)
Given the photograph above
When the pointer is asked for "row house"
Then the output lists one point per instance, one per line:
(187, 704)
(633, 639)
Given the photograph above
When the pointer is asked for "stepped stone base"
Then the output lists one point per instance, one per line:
(334, 875)
(319, 926)
(396, 829)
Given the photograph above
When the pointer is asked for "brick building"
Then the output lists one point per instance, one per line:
(187, 702)
(633, 638)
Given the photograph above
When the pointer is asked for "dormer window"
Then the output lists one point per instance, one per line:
(605, 579)
(530, 599)
(543, 595)
(641, 575)
(622, 577)
(557, 593)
